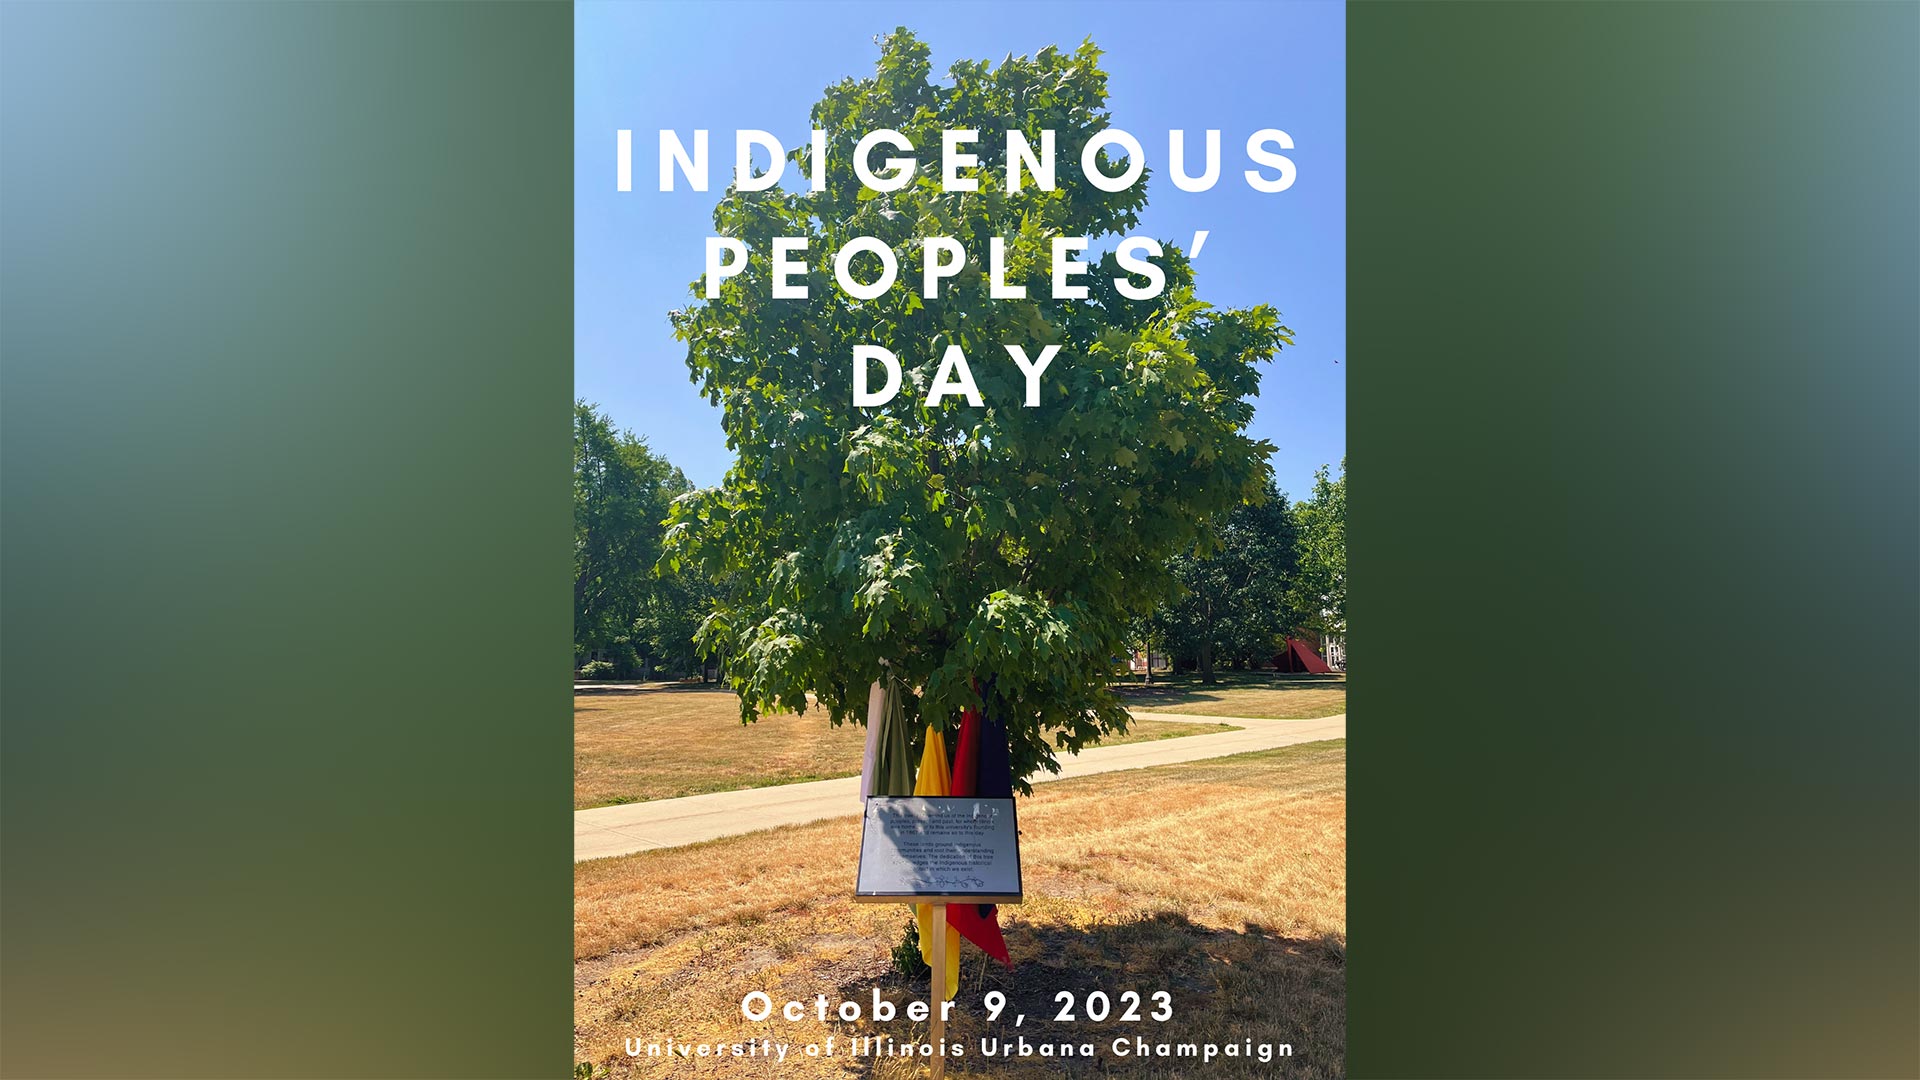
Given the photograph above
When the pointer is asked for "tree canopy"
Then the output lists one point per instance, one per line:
(1006, 544)
(1237, 604)
(622, 492)
(1321, 592)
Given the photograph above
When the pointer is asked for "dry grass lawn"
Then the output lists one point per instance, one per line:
(661, 743)
(1256, 695)
(1221, 881)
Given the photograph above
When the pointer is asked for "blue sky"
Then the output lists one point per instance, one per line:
(1238, 67)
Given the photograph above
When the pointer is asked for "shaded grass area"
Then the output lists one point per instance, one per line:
(662, 742)
(1221, 882)
(1256, 695)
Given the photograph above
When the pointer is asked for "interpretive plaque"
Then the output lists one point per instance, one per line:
(938, 849)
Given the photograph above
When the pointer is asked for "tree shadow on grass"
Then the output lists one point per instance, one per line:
(1225, 987)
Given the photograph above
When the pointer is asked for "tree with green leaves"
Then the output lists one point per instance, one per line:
(990, 554)
(1321, 592)
(1236, 604)
(670, 615)
(622, 492)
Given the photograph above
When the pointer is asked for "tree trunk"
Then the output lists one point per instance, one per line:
(1206, 661)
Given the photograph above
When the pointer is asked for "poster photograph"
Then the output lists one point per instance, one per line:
(960, 517)
(808, 540)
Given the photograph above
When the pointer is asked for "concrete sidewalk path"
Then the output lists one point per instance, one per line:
(621, 830)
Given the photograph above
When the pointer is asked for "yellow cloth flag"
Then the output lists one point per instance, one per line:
(936, 779)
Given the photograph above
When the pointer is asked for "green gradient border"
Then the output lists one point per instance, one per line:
(1634, 539)
(285, 371)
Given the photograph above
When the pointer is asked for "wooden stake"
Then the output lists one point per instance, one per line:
(938, 1066)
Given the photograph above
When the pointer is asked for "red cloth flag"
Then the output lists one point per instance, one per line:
(966, 754)
(978, 923)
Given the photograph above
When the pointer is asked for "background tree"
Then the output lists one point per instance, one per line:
(1321, 591)
(622, 492)
(670, 616)
(1236, 604)
(1001, 543)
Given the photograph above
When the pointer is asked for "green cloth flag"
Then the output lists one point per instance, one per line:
(892, 768)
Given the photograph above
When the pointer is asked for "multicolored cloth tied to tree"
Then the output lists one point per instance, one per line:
(982, 766)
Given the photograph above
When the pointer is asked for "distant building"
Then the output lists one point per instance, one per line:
(1334, 648)
(1143, 660)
